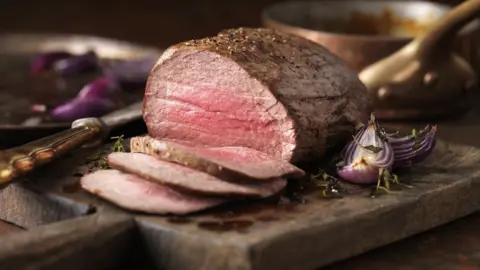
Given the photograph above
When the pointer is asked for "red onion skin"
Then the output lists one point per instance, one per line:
(420, 147)
(401, 151)
(45, 61)
(102, 87)
(415, 158)
(353, 174)
(100, 96)
(77, 64)
(409, 150)
(407, 142)
(94, 100)
(81, 108)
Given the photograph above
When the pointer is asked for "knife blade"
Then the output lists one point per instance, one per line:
(16, 162)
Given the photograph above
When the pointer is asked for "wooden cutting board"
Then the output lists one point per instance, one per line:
(304, 234)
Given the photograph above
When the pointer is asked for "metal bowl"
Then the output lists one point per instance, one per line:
(363, 32)
(15, 50)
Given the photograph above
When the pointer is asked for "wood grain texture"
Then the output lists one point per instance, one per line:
(447, 187)
(454, 246)
(336, 229)
(93, 242)
(30, 208)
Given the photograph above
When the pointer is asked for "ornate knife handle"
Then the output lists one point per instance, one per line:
(20, 160)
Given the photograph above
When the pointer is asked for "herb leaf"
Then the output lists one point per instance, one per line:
(372, 148)
(329, 185)
(100, 160)
(118, 145)
(386, 180)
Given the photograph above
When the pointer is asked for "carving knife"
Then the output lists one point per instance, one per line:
(16, 162)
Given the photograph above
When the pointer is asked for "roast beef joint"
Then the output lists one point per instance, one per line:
(232, 117)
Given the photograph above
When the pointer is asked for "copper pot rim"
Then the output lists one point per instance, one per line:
(315, 34)
(268, 21)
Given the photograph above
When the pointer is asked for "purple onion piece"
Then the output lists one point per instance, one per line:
(77, 64)
(411, 150)
(44, 62)
(102, 87)
(80, 108)
(400, 152)
(407, 141)
(131, 73)
(414, 159)
(417, 155)
(365, 155)
(362, 174)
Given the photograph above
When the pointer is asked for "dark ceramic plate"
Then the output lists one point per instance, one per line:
(19, 89)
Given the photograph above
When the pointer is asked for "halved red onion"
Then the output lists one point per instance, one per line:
(83, 107)
(102, 87)
(94, 100)
(365, 155)
(77, 64)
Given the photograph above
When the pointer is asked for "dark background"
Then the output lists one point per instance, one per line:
(159, 23)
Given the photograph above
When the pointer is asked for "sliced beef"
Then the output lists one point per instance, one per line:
(276, 93)
(228, 163)
(134, 193)
(189, 180)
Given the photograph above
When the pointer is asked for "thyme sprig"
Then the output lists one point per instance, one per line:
(330, 185)
(385, 181)
(118, 145)
(100, 159)
(374, 149)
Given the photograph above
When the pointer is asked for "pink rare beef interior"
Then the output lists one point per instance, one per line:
(246, 163)
(279, 94)
(204, 99)
(132, 192)
(189, 180)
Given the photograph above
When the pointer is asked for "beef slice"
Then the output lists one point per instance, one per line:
(134, 193)
(188, 180)
(231, 163)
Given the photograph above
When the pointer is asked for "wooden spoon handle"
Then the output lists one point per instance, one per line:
(439, 40)
(20, 160)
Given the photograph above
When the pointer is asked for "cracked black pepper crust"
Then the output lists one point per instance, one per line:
(322, 95)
